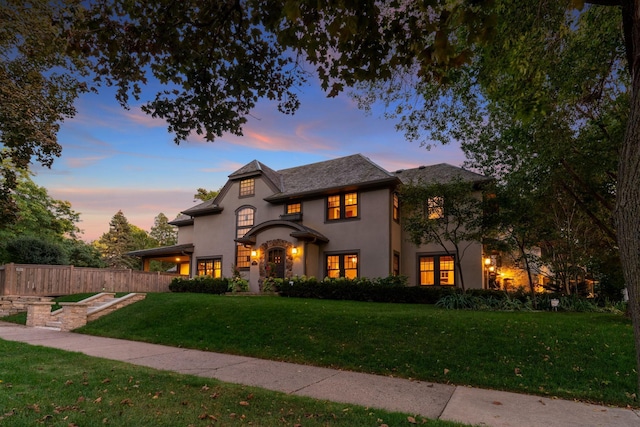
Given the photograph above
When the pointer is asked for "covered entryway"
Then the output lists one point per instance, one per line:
(281, 249)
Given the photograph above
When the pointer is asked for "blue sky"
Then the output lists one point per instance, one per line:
(115, 159)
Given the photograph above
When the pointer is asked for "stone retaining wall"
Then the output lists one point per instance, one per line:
(13, 304)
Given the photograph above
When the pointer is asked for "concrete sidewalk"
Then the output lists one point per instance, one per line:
(463, 404)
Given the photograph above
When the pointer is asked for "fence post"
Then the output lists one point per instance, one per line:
(9, 279)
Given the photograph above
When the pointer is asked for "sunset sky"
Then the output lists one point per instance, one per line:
(114, 159)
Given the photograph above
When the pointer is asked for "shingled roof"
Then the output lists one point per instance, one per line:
(350, 171)
(355, 171)
(440, 173)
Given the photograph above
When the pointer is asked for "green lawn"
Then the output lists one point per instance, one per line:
(44, 386)
(586, 356)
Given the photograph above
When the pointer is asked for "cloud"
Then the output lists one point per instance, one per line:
(83, 162)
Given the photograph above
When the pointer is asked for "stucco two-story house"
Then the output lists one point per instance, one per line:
(336, 218)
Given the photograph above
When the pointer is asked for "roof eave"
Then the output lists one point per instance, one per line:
(332, 190)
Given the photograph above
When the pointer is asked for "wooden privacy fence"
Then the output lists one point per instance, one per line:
(54, 280)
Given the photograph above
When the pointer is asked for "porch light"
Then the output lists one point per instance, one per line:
(254, 253)
(294, 250)
(487, 261)
(178, 259)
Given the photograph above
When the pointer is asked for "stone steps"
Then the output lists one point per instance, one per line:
(74, 315)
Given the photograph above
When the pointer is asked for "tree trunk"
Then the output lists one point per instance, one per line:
(628, 188)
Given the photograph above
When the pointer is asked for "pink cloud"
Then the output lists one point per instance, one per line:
(139, 205)
(83, 162)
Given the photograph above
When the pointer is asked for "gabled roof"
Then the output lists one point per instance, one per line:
(355, 171)
(254, 168)
(440, 173)
(300, 232)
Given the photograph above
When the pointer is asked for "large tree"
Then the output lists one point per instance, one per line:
(40, 78)
(446, 214)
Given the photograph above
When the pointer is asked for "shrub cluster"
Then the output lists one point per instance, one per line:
(392, 289)
(200, 284)
(478, 299)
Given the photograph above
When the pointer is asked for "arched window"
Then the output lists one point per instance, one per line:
(244, 221)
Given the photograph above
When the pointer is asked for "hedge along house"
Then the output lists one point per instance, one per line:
(337, 218)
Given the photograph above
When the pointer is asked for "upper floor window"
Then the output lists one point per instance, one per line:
(435, 207)
(294, 208)
(247, 187)
(210, 267)
(343, 265)
(396, 207)
(342, 206)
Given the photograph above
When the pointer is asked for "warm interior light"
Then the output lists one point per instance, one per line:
(294, 250)
(491, 269)
(177, 259)
(254, 253)
(487, 261)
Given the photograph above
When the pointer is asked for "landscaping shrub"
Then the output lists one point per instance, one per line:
(200, 284)
(389, 289)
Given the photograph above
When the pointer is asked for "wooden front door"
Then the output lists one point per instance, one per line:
(275, 260)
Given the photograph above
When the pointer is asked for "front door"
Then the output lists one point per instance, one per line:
(275, 260)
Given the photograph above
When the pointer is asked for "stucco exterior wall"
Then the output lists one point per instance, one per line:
(185, 234)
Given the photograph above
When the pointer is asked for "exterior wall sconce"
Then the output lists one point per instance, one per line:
(294, 251)
(254, 253)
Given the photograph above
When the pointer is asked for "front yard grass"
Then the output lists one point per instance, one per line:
(44, 386)
(584, 356)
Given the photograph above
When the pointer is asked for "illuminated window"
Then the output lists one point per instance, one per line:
(293, 208)
(247, 187)
(343, 265)
(437, 270)
(435, 207)
(396, 207)
(342, 206)
(244, 222)
(210, 267)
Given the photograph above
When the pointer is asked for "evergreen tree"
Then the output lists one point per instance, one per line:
(116, 242)
(162, 232)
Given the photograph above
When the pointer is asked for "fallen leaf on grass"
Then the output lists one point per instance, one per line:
(205, 388)
(244, 403)
(126, 402)
(411, 420)
(446, 371)
(106, 381)
(98, 400)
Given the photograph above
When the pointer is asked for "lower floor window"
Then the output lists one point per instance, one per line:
(343, 265)
(437, 270)
(210, 267)
(243, 257)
